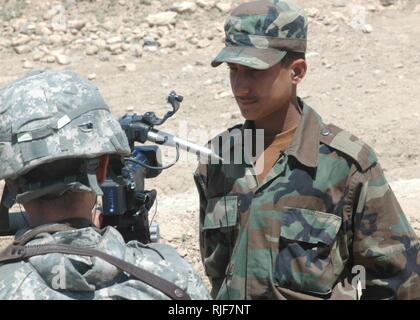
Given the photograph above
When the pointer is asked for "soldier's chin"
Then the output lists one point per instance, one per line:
(249, 114)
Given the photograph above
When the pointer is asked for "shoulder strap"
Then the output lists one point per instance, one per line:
(18, 253)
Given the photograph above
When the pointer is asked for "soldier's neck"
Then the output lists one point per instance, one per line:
(286, 118)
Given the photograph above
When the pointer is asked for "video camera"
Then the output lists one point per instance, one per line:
(126, 202)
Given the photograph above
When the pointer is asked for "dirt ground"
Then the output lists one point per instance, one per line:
(364, 62)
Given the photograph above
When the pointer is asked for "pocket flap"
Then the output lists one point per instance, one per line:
(221, 212)
(310, 226)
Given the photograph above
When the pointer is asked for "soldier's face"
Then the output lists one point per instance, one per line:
(260, 93)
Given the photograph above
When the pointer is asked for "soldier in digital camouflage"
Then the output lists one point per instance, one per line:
(56, 136)
(311, 216)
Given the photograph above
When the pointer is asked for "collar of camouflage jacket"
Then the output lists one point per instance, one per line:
(305, 144)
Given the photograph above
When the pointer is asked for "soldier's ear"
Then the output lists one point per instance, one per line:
(102, 169)
(298, 70)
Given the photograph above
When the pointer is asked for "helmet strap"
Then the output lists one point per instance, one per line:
(91, 165)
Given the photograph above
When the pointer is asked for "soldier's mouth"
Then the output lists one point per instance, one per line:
(246, 100)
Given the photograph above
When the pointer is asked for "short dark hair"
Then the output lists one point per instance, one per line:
(291, 57)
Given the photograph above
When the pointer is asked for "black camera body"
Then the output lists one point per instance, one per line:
(126, 203)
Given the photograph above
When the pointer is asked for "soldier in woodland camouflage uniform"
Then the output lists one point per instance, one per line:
(56, 134)
(318, 214)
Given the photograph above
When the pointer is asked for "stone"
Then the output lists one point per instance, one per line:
(224, 7)
(55, 39)
(62, 59)
(203, 44)
(38, 55)
(387, 3)
(28, 29)
(27, 65)
(137, 51)
(20, 41)
(205, 4)
(50, 59)
(92, 50)
(125, 47)
(91, 76)
(367, 28)
(114, 40)
(162, 18)
(22, 49)
(185, 6)
(76, 24)
(131, 67)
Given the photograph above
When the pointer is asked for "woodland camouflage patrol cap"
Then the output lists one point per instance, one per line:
(260, 33)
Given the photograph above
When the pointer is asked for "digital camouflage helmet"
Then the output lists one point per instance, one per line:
(48, 116)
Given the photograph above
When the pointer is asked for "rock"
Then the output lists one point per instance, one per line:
(137, 51)
(20, 41)
(358, 17)
(387, 3)
(59, 24)
(312, 12)
(55, 39)
(224, 7)
(223, 94)
(62, 59)
(122, 3)
(167, 43)
(131, 67)
(114, 40)
(151, 48)
(91, 76)
(27, 65)
(28, 29)
(205, 4)
(104, 56)
(399, 66)
(5, 43)
(92, 50)
(50, 59)
(100, 43)
(22, 49)
(193, 40)
(50, 13)
(185, 6)
(38, 55)
(162, 18)
(125, 47)
(367, 28)
(43, 30)
(203, 44)
(113, 47)
(340, 3)
(77, 24)
(149, 41)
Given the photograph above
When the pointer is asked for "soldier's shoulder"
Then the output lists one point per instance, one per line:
(350, 145)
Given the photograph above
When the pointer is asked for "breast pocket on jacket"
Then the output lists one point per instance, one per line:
(307, 251)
